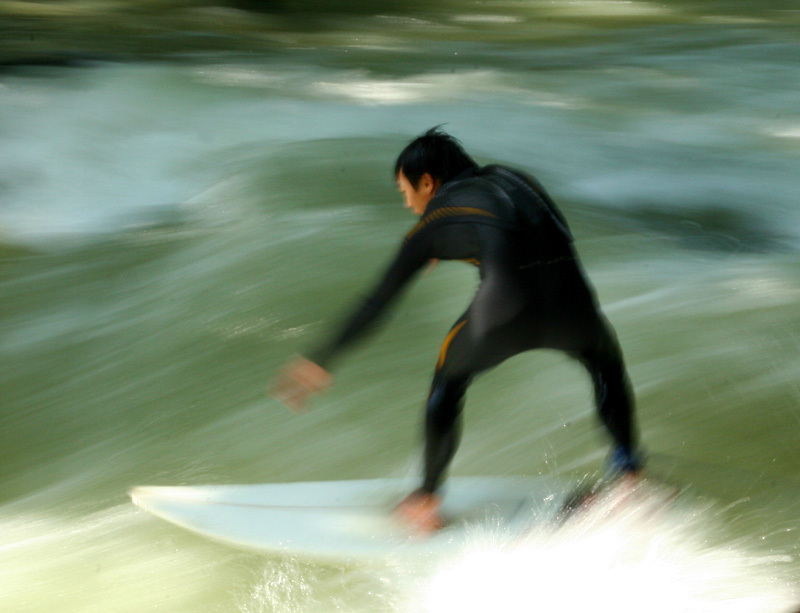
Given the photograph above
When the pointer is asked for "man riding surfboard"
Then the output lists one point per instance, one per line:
(533, 294)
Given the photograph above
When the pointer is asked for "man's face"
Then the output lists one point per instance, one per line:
(417, 199)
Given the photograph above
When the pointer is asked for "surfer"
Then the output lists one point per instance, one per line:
(532, 294)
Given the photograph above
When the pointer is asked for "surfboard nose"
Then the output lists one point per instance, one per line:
(138, 496)
(134, 493)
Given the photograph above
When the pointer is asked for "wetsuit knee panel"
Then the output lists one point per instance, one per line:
(445, 402)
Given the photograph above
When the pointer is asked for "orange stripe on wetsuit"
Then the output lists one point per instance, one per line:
(446, 344)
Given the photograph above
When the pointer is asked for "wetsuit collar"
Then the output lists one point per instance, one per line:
(464, 174)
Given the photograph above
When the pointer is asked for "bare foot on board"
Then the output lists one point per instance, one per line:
(420, 511)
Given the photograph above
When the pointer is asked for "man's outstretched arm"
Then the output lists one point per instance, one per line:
(303, 377)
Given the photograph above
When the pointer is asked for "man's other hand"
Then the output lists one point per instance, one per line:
(299, 379)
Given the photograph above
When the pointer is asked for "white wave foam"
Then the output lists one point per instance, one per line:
(626, 554)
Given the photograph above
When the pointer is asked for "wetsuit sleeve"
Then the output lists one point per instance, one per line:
(413, 254)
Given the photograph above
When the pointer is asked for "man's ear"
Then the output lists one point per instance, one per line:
(427, 184)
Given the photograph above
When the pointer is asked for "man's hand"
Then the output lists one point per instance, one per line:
(297, 381)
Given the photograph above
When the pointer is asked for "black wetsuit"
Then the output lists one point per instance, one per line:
(532, 294)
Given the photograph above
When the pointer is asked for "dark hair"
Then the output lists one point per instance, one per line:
(436, 153)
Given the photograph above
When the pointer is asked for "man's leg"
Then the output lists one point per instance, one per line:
(442, 429)
(442, 426)
(614, 400)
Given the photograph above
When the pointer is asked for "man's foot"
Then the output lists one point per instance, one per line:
(611, 490)
(420, 511)
(624, 461)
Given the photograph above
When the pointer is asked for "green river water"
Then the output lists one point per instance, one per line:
(191, 192)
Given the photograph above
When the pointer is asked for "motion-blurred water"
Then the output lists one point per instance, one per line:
(191, 193)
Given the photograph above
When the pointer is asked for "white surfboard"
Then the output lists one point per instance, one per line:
(347, 519)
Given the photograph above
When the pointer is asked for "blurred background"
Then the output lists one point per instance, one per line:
(191, 192)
